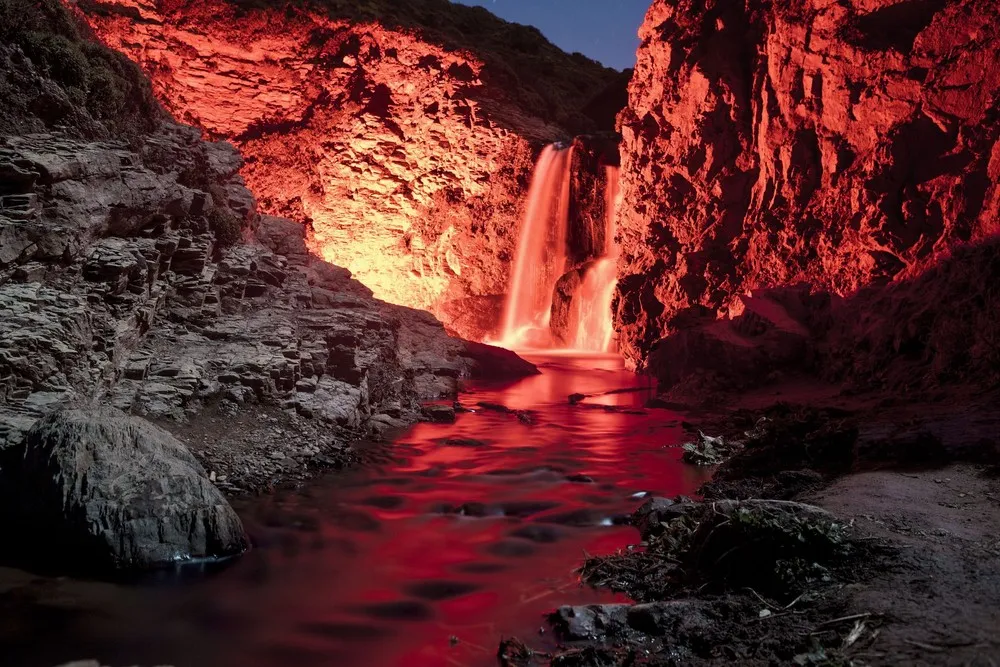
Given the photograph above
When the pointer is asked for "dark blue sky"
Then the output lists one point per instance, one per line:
(605, 30)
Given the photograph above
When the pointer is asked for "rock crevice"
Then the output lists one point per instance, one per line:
(841, 146)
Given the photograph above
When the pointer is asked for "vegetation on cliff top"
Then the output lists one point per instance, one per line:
(53, 74)
(538, 75)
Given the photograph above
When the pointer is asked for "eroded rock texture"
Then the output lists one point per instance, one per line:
(115, 492)
(407, 160)
(139, 274)
(839, 144)
(119, 290)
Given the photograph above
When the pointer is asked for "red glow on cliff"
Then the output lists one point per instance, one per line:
(376, 139)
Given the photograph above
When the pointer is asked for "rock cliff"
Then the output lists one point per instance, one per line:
(136, 271)
(842, 145)
(402, 134)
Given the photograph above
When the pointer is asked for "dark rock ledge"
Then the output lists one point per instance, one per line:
(141, 278)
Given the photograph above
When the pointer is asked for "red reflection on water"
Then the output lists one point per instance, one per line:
(381, 568)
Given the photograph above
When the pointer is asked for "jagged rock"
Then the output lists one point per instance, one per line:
(158, 321)
(284, 237)
(115, 492)
(123, 282)
(440, 414)
(406, 160)
(496, 362)
(836, 144)
(762, 341)
(566, 289)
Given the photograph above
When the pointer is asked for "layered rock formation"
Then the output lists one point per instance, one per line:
(138, 273)
(840, 145)
(118, 289)
(406, 157)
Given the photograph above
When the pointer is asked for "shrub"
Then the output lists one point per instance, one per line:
(778, 548)
(59, 58)
(226, 225)
(105, 83)
(19, 17)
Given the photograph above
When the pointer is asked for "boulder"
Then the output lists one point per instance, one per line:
(114, 491)
(489, 361)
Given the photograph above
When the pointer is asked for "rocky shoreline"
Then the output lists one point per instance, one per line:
(140, 285)
(845, 532)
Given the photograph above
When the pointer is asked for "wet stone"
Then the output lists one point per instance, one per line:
(385, 502)
(481, 568)
(579, 518)
(463, 442)
(540, 471)
(477, 510)
(439, 414)
(347, 631)
(522, 509)
(355, 521)
(515, 548)
(580, 479)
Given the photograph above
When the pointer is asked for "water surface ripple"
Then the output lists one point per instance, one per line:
(465, 533)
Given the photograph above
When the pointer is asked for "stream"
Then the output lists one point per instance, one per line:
(462, 534)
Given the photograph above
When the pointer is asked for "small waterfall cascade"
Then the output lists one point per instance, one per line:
(541, 252)
(590, 320)
(558, 298)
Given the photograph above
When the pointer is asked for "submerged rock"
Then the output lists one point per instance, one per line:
(114, 491)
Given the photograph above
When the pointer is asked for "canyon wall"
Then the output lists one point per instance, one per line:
(406, 154)
(842, 145)
(136, 272)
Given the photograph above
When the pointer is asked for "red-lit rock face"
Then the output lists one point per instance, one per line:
(410, 171)
(809, 142)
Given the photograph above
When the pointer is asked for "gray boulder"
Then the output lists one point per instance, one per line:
(111, 491)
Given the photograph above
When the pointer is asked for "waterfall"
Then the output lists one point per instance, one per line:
(591, 320)
(541, 263)
(541, 252)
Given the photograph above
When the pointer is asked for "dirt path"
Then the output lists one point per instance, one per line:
(940, 603)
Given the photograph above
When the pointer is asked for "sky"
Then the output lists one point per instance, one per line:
(605, 30)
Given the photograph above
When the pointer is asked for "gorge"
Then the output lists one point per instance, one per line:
(356, 333)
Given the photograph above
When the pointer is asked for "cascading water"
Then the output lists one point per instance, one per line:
(541, 252)
(591, 319)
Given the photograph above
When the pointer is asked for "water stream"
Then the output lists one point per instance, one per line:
(466, 532)
(541, 251)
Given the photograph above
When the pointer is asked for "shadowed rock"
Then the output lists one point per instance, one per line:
(114, 491)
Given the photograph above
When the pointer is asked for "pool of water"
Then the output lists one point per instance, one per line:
(463, 533)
